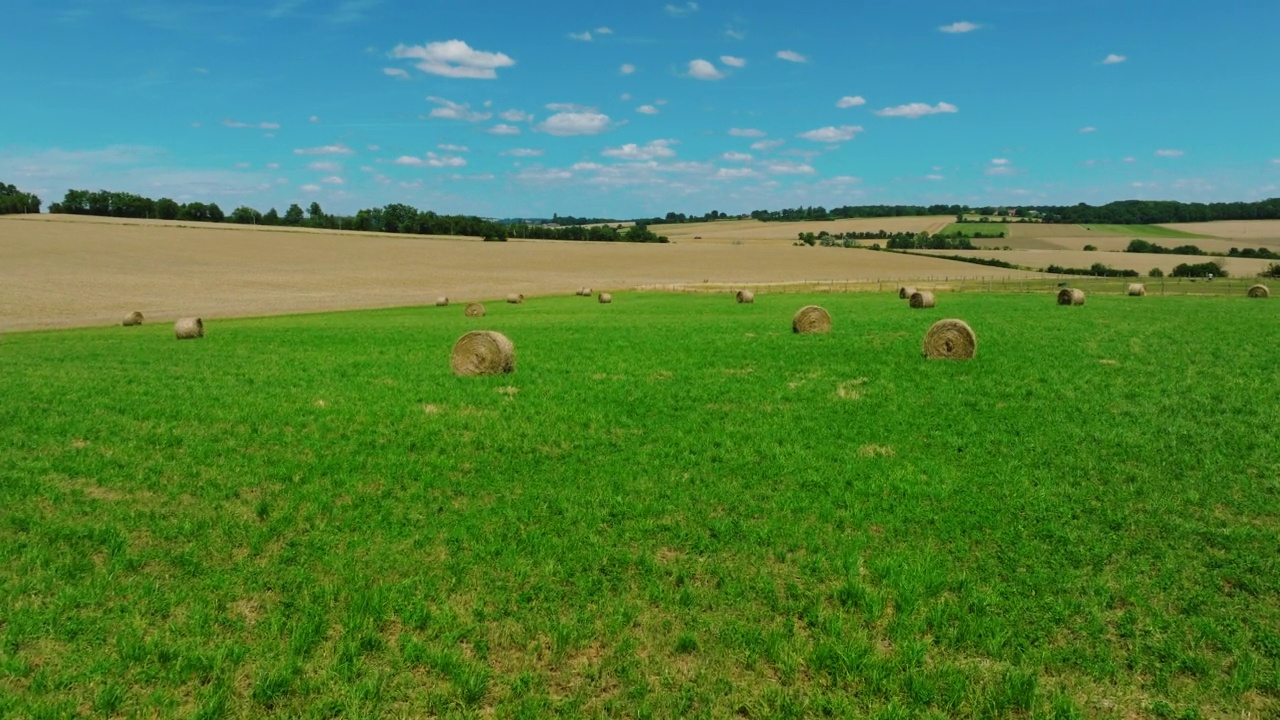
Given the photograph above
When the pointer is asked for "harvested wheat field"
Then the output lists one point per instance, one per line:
(63, 271)
(1263, 232)
(1142, 262)
(753, 232)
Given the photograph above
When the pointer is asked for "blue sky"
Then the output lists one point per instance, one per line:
(587, 108)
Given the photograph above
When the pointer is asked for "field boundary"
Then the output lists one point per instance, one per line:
(992, 284)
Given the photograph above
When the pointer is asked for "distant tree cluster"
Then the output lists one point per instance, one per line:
(856, 211)
(892, 240)
(393, 218)
(1147, 212)
(1142, 246)
(16, 202)
(1095, 270)
(1200, 270)
(1263, 253)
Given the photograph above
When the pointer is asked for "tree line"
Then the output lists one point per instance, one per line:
(16, 202)
(1121, 212)
(392, 218)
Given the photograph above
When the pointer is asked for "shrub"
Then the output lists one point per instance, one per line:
(1155, 273)
(1090, 248)
(1200, 270)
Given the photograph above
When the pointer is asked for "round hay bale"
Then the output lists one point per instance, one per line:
(950, 339)
(605, 298)
(811, 319)
(474, 310)
(442, 301)
(1259, 291)
(482, 352)
(905, 293)
(188, 329)
(1137, 290)
(922, 299)
(585, 292)
(746, 297)
(132, 319)
(515, 298)
(1070, 296)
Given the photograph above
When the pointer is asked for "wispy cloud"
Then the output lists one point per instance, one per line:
(831, 134)
(763, 145)
(1169, 153)
(515, 115)
(454, 59)
(627, 69)
(349, 11)
(703, 70)
(964, 26)
(736, 156)
(503, 129)
(679, 10)
(786, 167)
(732, 61)
(849, 101)
(582, 36)
(647, 110)
(431, 160)
(934, 177)
(310, 188)
(338, 149)
(1000, 166)
(791, 56)
(450, 110)
(453, 148)
(649, 151)
(746, 132)
(735, 173)
(735, 33)
(916, 110)
(400, 73)
(523, 152)
(333, 180)
(329, 167)
(255, 126)
(1113, 59)
(575, 123)
(1088, 129)
(604, 31)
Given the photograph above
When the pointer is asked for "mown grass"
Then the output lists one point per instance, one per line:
(673, 507)
(1142, 231)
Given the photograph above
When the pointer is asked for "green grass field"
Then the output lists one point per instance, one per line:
(1141, 231)
(674, 507)
(974, 228)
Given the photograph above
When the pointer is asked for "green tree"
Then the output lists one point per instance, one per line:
(167, 209)
(314, 212)
(293, 216)
(271, 218)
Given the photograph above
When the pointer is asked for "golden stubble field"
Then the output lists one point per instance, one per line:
(752, 232)
(61, 271)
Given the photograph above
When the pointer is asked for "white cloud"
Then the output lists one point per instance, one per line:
(523, 152)
(678, 10)
(735, 34)
(1169, 153)
(583, 36)
(397, 73)
(503, 129)
(703, 70)
(647, 110)
(999, 161)
(373, 148)
(735, 173)
(450, 110)
(313, 119)
(736, 156)
(746, 132)
(918, 109)
(1275, 161)
(1088, 129)
(786, 167)
(732, 61)
(409, 160)
(255, 126)
(604, 31)
(849, 101)
(329, 167)
(333, 180)
(432, 160)
(1114, 59)
(625, 97)
(455, 59)
(963, 26)
(310, 188)
(791, 56)
(569, 107)
(1001, 166)
(831, 134)
(767, 144)
(652, 150)
(454, 148)
(934, 177)
(515, 115)
(1131, 159)
(575, 123)
(272, 166)
(627, 69)
(338, 149)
